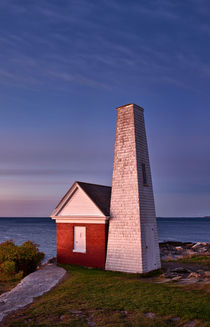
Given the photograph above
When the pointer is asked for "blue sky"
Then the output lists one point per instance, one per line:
(64, 67)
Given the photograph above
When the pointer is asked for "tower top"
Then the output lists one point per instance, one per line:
(130, 105)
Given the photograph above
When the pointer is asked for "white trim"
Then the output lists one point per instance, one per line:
(82, 220)
(67, 197)
(90, 199)
(81, 217)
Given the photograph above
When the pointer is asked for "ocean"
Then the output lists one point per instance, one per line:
(43, 231)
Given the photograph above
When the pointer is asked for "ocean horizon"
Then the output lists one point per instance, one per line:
(42, 231)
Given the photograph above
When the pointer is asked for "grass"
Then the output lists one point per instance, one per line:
(7, 283)
(113, 299)
(6, 286)
(198, 259)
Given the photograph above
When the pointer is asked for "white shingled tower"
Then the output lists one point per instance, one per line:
(133, 240)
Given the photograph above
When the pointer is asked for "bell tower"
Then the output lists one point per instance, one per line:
(132, 240)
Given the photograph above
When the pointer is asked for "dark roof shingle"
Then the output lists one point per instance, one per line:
(99, 194)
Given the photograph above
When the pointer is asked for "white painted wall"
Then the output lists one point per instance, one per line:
(80, 205)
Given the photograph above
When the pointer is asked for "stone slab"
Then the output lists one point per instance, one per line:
(33, 285)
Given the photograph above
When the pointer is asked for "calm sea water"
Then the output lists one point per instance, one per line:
(43, 231)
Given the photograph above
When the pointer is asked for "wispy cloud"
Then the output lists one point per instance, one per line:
(28, 207)
(55, 55)
(49, 172)
(72, 46)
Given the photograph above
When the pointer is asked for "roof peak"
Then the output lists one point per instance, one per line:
(79, 182)
(99, 194)
(131, 105)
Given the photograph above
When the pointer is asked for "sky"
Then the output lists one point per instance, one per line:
(66, 65)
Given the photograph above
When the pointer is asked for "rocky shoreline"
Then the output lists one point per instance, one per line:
(178, 250)
(182, 271)
(178, 269)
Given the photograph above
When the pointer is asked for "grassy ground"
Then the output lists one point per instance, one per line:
(7, 286)
(91, 297)
(198, 259)
(7, 283)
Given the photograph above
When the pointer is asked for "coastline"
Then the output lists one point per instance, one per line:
(174, 250)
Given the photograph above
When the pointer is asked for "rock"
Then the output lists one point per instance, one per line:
(163, 275)
(175, 319)
(90, 322)
(167, 280)
(52, 260)
(150, 315)
(33, 285)
(181, 270)
(173, 274)
(167, 257)
(189, 245)
(206, 274)
(194, 275)
(176, 278)
(177, 257)
(163, 281)
(192, 323)
(202, 250)
(196, 245)
(170, 275)
(188, 281)
(189, 253)
(179, 248)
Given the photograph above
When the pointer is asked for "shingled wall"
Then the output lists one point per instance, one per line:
(132, 241)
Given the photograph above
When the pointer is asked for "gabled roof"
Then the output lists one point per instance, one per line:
(99, 194)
